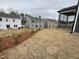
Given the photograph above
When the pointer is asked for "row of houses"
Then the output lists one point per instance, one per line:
(38, 22)
(15, 21)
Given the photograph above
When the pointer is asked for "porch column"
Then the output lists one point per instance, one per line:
(67, 21)
(76, 18)
(59, 20)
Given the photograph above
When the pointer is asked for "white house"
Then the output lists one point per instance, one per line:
(8, 21)
(34, 22)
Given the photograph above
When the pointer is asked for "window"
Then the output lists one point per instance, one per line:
(15, 25)
(6, 20)
(13, 20)
(32, 21)
(8, 26)
(0, 19)
(36, 25)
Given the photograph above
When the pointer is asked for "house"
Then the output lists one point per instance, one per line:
(9, 21)
(50, 23)
(69, 17)
(66, 16)
(34, 22)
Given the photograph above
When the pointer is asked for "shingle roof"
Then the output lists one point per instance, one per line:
(51, 20)
(34, 18)
(9, 15)
(68, 8)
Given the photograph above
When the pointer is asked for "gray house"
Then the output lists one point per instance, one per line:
(69, 18)
(34, 22)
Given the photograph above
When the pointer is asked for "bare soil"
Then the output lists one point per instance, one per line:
(10, 41)
(45, 44)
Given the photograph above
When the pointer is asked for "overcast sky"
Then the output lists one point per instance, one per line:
(45, 8)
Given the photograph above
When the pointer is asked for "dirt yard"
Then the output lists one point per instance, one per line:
(10, 38)
(46, 44)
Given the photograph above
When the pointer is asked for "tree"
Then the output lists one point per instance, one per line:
(26, 14)
(13, 13)
(22, 14)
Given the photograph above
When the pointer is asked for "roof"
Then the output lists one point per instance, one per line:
(35, 18)
(9, 15)
(68, 8)
(51, 20)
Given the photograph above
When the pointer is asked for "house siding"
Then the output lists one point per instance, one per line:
(10, 22)
(33, 25)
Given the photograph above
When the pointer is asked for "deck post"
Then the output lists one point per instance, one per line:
(67, 21)
(59, 20)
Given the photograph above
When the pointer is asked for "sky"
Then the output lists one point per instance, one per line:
(44, 8)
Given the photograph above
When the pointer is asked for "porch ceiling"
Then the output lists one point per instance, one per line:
(69, 13)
